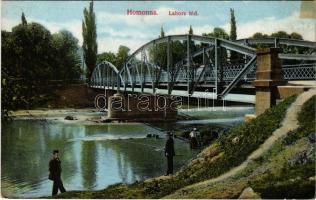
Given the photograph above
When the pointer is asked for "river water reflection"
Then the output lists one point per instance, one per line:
(93, 156)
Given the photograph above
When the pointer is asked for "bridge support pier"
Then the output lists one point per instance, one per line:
(268, 77)
(142, 107)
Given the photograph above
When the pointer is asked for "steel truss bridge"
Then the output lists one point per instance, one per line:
(202, 67)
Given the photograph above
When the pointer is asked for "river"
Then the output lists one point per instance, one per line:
(93, 156)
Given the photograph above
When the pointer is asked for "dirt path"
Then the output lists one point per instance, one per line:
(289, 123)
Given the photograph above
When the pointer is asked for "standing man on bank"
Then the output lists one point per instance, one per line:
(169, 153)
(55, 172)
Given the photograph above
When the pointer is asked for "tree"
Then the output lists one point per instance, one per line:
(162, 32)
(89, 34)
(234, 56)
(297, 36)
(32, 49)
(27, 65)
(23, 19)
(259, 35)
(157, 54)
(218, 33)
(280, 34)
(122, 55)
(108, 56)
(68, 62)
(31, 56)
(190, 30)
(233, 29)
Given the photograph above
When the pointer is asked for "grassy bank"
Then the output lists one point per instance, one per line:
(292, 161)
(287, 170)
(227, 152)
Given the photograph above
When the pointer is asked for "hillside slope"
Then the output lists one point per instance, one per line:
(282, 167)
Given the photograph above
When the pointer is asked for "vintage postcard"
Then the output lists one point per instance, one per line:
(158, 99)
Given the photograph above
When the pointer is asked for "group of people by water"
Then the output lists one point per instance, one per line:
(169, 152)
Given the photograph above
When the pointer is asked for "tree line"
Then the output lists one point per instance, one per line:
(31, 58)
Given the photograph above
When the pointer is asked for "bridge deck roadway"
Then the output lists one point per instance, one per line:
(244, 98)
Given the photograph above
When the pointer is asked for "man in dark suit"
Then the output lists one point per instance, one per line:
(169, 153)
(55, 172)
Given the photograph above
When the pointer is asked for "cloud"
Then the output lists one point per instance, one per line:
(73, 26)
(197, 30)
(133, 31)
(112, 44)
(124, 33)
(268, 25)
(141, 20)
(8, 24)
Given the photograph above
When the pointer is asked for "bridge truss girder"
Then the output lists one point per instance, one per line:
(106, 75)
(211, 69)
(187, 65)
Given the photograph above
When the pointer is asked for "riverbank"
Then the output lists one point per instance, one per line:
(229, 152)
(210, 122)
(83, 115)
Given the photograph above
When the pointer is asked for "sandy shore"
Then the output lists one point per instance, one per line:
(86, 115)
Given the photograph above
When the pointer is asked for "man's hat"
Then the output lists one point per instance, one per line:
(55, 151)
(194, 129)
(168, 133)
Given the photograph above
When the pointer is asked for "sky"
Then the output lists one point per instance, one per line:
(115, 27)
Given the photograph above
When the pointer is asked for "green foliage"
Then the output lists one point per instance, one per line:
(122, 55)
(158, 54)
(218, 33)
(252, 134)
(285, 180)
(108, 56)
(65, 47)
(162, 32)
(117, 59)
(32, 52)
(291, 183)
(89, 34)
(259, 35)
(282, 34)
(279, 34)
(31, 57)
(306, 117)
(297, 36)
(234, 56)
(190, 30)
(23, 19)
(307, 121)
(27, 61)
(233, 28)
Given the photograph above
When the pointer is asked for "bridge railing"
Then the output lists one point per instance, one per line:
(299, 72)
(290, 72)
